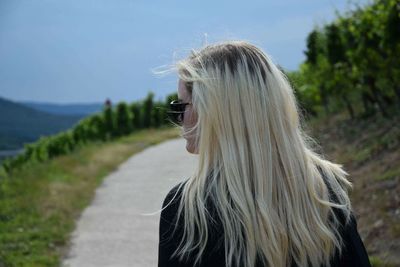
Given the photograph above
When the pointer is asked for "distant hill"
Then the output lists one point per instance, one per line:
(65, 109)
(20, 124)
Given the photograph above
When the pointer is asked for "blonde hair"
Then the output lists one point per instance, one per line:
(269, 188)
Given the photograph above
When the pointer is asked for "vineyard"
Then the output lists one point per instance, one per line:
(353, 63)
(112, 123)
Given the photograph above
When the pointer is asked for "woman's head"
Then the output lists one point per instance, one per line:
(255, 162)
(237, 94)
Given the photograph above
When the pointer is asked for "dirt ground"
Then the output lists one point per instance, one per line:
(369, 150)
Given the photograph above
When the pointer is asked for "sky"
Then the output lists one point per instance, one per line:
(85, 51)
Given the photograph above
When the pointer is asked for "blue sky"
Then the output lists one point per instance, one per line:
(84, 51)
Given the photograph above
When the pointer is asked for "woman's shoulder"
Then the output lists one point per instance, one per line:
(171, 203)
(354, 252)
(174, 194)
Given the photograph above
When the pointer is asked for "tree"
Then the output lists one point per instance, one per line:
(147, 110)
(136, 121)
(109, 123)
(123, 119)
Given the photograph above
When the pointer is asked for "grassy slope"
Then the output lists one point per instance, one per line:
(39, 205)
(370, 152)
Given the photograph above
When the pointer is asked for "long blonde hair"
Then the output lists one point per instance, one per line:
(256, 165)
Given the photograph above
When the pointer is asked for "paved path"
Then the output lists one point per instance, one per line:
(113, 230)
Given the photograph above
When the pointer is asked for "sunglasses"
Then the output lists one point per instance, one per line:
(177, 111)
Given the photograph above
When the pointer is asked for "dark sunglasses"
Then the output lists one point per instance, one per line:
(177, 111)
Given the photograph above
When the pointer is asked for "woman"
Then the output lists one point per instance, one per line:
(260, 196)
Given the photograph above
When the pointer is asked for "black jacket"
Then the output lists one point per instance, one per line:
(353, 255)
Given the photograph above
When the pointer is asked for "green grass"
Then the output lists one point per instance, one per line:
(377, 262)
(390, 174)
(40, 203)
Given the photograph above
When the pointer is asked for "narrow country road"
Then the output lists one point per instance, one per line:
(113, 230)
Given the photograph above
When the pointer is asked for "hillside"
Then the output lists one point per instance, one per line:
(65, 109)
(20, 124)
(369, 150)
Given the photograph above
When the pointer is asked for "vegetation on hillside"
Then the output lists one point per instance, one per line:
(44, 189)
(40, 202)
(353, 63)
(113, 122)
(349, 90)
(369, 150)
